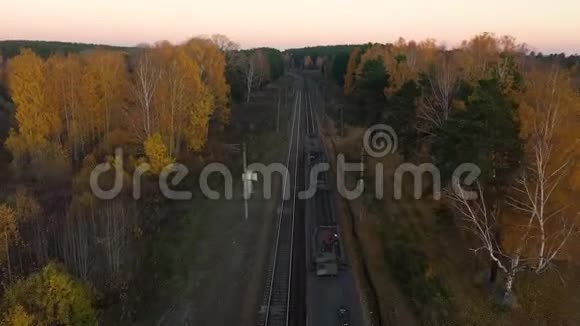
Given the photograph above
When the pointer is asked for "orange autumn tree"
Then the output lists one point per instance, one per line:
(201, 103)
(488, 56)
(539, 222)
(50, 297)
(182, 101)
(176, 89)
(351, 67)
(442, 79)
(212, 63)
(64, 94)
(38, 122)
(105, 84)
(545, 191)
(540, 226)
(36, 142)
(88, 91)
(157, 153)
(172, 96)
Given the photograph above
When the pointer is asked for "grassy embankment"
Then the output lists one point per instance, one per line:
(421, 247)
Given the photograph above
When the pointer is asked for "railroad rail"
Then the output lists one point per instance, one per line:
(279, 287)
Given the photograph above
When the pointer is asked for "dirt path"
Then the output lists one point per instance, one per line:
(222, 285)
(217, 260)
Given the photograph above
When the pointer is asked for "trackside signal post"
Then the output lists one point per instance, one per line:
(247, 177)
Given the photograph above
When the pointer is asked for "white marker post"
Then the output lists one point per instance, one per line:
(247, 178)
(245, 182)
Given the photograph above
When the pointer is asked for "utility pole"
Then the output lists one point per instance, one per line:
(246, 179)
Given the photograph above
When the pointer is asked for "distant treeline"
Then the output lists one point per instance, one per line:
(299, 54)
(336, 58)
(332, 59)
(45, 49)
(566, 61)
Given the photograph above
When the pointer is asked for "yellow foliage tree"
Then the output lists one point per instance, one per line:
(38, 122)
(544, 195)
(212, 63)
(185, 97)
(197, 130)
(38, 113)
(549, 95)
(488, 56)
(351, 67)
(50, 297)
(17, 316)
(157, 153)
(175, 95)
(105, 84)
(64, 93)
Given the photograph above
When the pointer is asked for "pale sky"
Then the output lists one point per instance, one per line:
(546, 25)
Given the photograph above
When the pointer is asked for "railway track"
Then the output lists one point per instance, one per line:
(278, 300)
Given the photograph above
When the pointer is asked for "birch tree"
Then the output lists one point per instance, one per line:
(226, 45)
(540, 222)
(77, 239)
(147, 75)
(537, 193)
(171, 97)
(250, 75)
(115, 223)
(254, 69)
(441, 83)
(105, 79)
(9, 229)
(65, 93)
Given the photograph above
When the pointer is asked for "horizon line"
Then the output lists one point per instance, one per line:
(281, 49)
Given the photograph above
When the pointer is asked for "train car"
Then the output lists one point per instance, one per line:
(325, 250)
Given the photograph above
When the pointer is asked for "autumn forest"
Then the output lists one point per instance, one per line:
(507, 257)
(69, 111)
